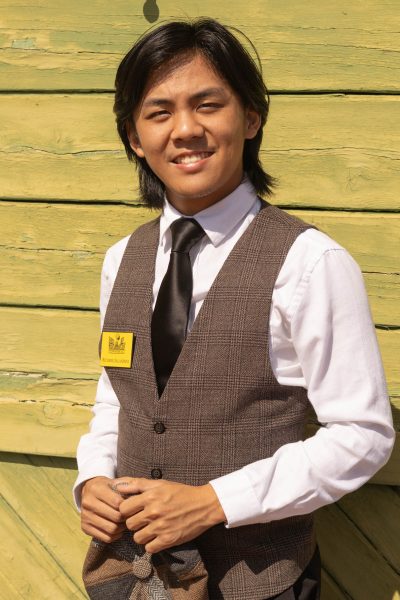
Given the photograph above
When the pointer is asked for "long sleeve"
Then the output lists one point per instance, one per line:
(97, 450)
(325, 341)
(321, 338)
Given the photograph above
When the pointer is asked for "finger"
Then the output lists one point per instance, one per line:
(103, 492)
(144, 536)
(135, 485)
(157, 544)
(131, 506)
(103, 510)
(93, 520)
(110, 497)
(137, 522)
(103, 536)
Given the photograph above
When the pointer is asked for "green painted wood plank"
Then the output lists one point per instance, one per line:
(49, 516)
(55, 262)
(303, 45)
(329, 588)
(63, 473)
(352, 560)
(63, 344)
(28, 565)
(58, 279)
(48, 372)
(7, 588)
(54, 343)
(375, 510)
(54, 428)
(19, 386)
(53, 278)
(50, 428)
(330, 151)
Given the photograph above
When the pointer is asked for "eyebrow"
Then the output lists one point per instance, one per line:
(213, 91)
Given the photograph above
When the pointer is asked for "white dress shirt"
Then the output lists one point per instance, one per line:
(322, 338)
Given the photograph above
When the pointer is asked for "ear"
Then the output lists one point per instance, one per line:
(253, 123)
(133, 138)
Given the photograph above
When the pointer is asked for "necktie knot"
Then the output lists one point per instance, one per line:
(185, 234)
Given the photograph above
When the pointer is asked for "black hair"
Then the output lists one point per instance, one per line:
(171, 42)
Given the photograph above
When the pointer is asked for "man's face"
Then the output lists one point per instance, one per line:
(191, 128)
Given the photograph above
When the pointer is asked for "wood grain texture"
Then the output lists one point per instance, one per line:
(375, 511)
(330, 151)
(40, 511)
(330, 589)
(50, 428)
(54, 343)
(54, 428)
(349, 557)
(63, 343)
(354, 565)
(41, 538)
(48, 372)
(55, 251)
(303, 45)
(31, 570)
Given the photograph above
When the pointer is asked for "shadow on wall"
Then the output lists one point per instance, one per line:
(151, 11)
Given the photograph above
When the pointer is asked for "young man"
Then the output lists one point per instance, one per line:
(206, 435)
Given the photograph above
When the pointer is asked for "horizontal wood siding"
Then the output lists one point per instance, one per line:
(328, 151)
(68, 192)
(303, 45)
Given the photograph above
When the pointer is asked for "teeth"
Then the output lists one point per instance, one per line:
(192, 158)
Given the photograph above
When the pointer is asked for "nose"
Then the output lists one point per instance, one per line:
(186, 125)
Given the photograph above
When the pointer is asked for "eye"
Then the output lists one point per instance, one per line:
(209, 106)
(158, 114)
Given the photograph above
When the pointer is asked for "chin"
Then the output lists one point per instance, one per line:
(197, 193)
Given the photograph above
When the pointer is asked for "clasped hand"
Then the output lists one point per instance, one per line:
(160, 513)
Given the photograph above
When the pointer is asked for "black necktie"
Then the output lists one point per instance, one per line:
(171, 312)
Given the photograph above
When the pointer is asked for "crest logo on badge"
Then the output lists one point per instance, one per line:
(117, 349)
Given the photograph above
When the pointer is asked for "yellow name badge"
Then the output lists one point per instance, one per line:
(117, 349)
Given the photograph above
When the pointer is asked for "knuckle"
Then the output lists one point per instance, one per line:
(113, 528)
(154, 512)
(85, 529)
(109, 528)
(161, 524)
(151, 548)
(85, 506)
(115, 502)
(107, 538)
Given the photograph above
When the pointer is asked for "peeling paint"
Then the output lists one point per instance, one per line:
(24, 44)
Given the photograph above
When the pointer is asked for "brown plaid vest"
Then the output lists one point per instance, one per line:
(222, 407)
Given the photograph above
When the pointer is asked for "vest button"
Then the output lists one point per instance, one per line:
(156, 473)
(159, 427)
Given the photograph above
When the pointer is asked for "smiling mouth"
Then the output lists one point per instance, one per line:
(188, 159)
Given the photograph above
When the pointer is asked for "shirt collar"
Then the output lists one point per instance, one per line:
(219, 219)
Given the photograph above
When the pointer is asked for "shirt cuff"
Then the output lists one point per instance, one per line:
(104, 469)
(237, 498)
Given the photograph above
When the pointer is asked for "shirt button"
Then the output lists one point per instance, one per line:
(159, 427)
(156, 473)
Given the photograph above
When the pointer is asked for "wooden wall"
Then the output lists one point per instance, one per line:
(67, 193)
